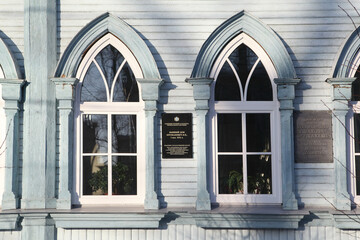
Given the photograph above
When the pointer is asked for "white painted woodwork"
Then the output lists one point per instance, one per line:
(192, 232)
(312, 31)
(2, 140)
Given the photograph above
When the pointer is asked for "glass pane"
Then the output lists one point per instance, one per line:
(243, 59)
(230, 174)
(357, 174)
(93, 87)
(258, 132)
(95, 175)
(226, 86)
(229, 132)
(259, 174)
(95, 137)
(124, 175)
(355, 90)
(109, 60)
(126, 89)
(123, 133)
(357, 132)
(259, 88)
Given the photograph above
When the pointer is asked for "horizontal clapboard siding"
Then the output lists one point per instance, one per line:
(12, 28)
(314, 184)
(10, 235)
(191, 232)
(312, 32)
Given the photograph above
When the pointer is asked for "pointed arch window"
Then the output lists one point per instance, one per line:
(244, 115)
(354, 137)
(109, 118)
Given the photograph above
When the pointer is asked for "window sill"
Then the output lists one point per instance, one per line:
(261, 216)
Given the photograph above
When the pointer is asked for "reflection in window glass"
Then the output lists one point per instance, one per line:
(124, 175)
(357, 132)
(357, 174)
(355, 89)
(227, 86)
(229, 133)
(95, 175)
(230, 174)
(243, 148)
(109, 60)
(98, 82)
(107, 122)
(123, 133)
(258, 132)
(259, 88)
(357, 151)
(93, 86)
(243, 59)
(126, 89)
(95, 139)
(259, 174)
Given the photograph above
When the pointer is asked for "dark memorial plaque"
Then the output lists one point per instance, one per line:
(313, 137)
(177, 135)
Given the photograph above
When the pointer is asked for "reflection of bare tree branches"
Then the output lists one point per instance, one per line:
(90, 93)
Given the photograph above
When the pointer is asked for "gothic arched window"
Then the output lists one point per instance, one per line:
(245, 123)
(109, 118)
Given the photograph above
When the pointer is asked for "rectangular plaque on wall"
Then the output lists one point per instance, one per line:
(177, 135)
(313, 137)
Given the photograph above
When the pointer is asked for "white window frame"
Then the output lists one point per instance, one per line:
(109, 108)
(271, 107)
(355, 109)
(3, 131)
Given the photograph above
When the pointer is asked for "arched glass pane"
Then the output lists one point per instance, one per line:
(227, 87)
(109, 60)
(243, 59)
(126, 89)
(93, 87)
(355, 89)
(259, 88)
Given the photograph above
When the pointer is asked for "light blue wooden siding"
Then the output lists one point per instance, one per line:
(312, 31)
(191, 232)
(10, 235)
(315, 184)
(12, 28)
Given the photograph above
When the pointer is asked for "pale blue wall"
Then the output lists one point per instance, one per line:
(312, 32)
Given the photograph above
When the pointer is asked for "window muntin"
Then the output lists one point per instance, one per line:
(244, 114)
(109, 117)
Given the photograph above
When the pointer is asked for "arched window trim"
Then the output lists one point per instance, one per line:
(200, 79)
(65, 80)
(10, 95)
(8, 63)
(245, 106)
(109, 108)
(106, 23)
(347, 62)
(351, 70)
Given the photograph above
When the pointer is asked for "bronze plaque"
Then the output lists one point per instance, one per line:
(313, 137)
(177, 135)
